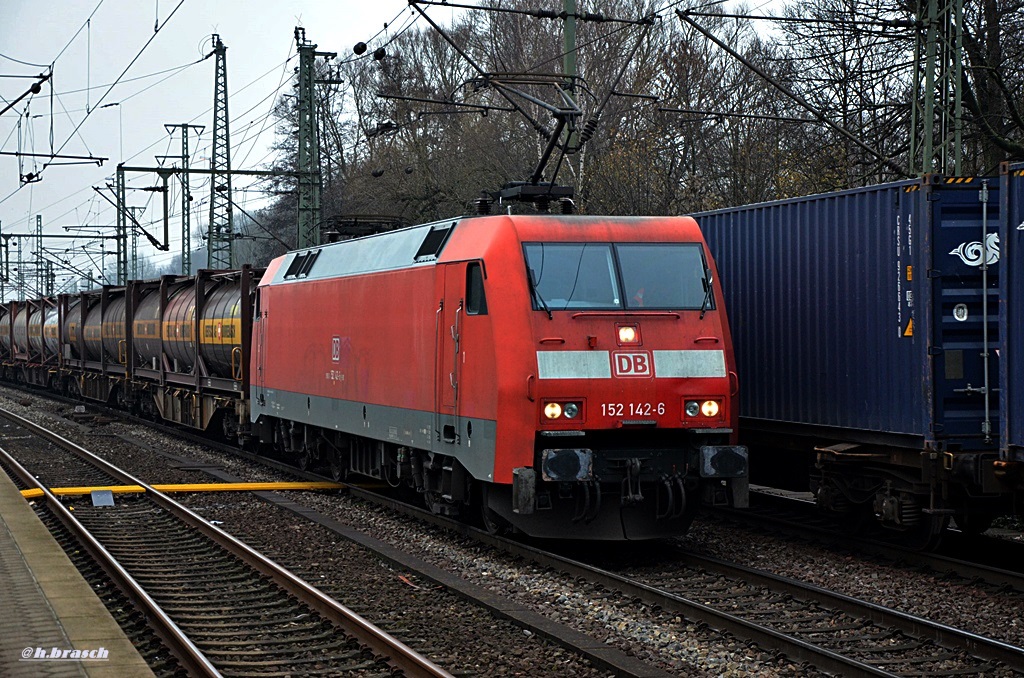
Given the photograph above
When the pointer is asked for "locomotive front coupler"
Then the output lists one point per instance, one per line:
(631, 495)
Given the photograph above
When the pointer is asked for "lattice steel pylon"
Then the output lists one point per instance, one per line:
(40, 265)
(936, 119)
(221, 234)
(309, 144)
(121, 231)
(136, 212)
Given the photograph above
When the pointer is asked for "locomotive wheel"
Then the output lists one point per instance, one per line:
(493, 523)
(302, 460)
(490, 520)
(337, 468)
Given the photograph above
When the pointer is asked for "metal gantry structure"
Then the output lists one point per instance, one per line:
(309, 144)
(220, 237)
(186, 194)
(936, 121)
(221, 229)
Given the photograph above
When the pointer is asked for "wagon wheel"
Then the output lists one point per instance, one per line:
(973, 522)
(856, 519)
(927, 535)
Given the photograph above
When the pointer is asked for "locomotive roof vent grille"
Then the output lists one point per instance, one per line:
(301, 265)
(434, 242)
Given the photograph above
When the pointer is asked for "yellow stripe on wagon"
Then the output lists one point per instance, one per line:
(187, 487)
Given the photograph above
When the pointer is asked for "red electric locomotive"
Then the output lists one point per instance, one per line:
(561, 375)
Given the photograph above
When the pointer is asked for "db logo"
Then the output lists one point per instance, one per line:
(632, 364)
(336, 349)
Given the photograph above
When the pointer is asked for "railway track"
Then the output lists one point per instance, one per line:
(222, 608)
(443, 622)
(997, 562)
(831, 632)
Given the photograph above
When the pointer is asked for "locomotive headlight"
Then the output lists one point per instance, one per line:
(628, 335)
(552, 410)
(709, 408)
(692, 408)
(571, 410)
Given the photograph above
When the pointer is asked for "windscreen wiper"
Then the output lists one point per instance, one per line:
(707, 293)
(536, 294)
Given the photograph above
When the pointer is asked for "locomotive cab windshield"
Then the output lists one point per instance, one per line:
(568, 276)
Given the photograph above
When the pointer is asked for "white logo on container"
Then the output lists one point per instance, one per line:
(971, 252)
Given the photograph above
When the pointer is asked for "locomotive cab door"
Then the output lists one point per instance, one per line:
(451, 314)
(259, 330)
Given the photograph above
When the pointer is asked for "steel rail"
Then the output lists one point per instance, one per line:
(946, 636)
(939, 563)
(397, 654)
(978, 646)
(941, 634)
(767, 638)
(192, 659)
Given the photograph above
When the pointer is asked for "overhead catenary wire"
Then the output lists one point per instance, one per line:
(247, 139)
(130, 64)
(23, 63)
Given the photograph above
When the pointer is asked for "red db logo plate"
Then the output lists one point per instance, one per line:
(632, 364)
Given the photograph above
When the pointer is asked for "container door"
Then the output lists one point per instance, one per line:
(964, 280)
(1011, 294)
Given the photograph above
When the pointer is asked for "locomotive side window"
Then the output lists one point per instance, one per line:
(431, 246)
(476, 300)
(663, 275)
(302, 264)
(570, 276)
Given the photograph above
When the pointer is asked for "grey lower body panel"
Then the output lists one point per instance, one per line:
(472, 441)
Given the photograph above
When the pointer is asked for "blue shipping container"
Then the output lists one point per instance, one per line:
(858, 316)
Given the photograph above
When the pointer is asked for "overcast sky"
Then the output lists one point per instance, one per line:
(259, 35)
(161, 79)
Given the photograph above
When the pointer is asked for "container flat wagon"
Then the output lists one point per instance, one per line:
(867, 328)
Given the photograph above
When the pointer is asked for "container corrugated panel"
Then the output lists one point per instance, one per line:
(862, 310)
(1012, 315)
